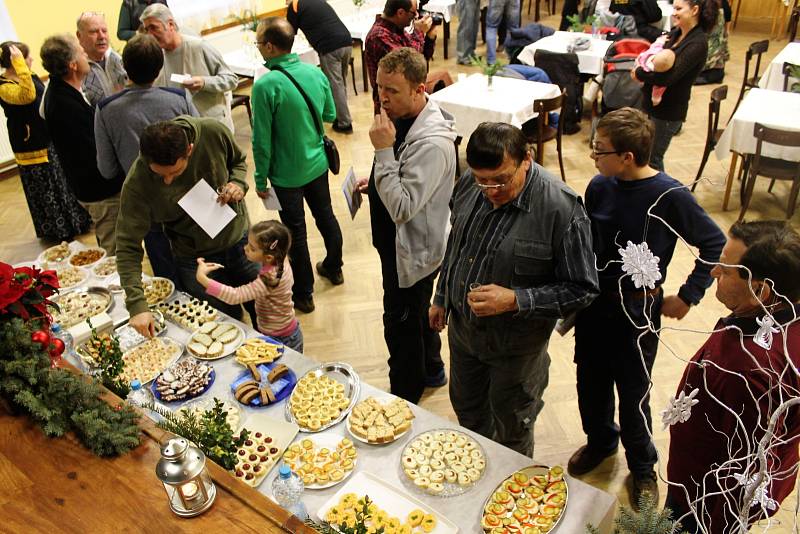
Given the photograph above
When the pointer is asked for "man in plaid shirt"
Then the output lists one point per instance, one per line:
(389, 32)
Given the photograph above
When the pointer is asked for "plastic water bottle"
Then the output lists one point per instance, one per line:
(596, 28)
(139, 396)
(64, 336)
(288, 491)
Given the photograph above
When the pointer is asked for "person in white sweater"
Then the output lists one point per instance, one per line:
(201, 67)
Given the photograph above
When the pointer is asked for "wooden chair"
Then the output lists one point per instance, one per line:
(777, 169)
(787, 73)
(242, 100)
(543, 132)
(749, 82)
(794, 19)
(713, 133)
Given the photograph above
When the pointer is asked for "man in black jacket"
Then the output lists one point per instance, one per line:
(331, 39)
(70, 120)
(644, 12)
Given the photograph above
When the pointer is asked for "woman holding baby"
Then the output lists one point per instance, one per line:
(670, 69)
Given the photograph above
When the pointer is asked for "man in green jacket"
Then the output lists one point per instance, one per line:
(289, 153)
(174, 156)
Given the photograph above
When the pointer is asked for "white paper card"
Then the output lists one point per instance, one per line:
(351, 194)
(271, 201)
(200, 203)
(180, 78)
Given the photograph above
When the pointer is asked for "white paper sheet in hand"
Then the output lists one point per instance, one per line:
(351, 194)
(271, 201)
(180, 78)
(200, 203)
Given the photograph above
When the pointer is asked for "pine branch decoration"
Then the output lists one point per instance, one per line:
(649, 520)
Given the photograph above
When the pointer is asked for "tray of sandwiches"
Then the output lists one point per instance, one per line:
(390, 507)
(188, 312)
(81, 304)
(266, 441)
(376, 423)
(146, 361)
(533, 497)
(443, 462)
(323, 397)
(215, 340)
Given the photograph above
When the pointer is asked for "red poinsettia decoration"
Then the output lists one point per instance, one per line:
(24, 292)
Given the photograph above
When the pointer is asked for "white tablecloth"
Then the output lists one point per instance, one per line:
(586, 503)
(590, 61)
(244, 63)
(773, 75)
(770, 108)
(509, 100)
(446, 7)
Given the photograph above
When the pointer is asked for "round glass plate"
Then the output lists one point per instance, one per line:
(322, 441)
(443, 462)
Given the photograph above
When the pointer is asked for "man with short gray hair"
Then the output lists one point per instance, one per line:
(209, 77)
(70, 121)
(107, 75)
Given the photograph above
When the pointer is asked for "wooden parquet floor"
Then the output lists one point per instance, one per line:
(347, 323)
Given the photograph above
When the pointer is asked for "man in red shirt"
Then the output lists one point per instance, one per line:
(390, 31)
(733, 458)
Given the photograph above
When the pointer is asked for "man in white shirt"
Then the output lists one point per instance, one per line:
(107, 76)
(207, 75)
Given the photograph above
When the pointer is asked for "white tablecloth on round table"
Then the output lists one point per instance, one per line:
(590, 61)
(471, 102)
(446, 7)
(586, 503)
(775, 109)
(773, 75)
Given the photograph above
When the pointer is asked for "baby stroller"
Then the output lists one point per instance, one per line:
(615, 84)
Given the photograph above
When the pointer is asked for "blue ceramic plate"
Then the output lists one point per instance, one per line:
(282, 387)
(157, 394)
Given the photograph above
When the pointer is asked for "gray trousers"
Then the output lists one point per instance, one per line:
(334, 65)
(104, 214)
(469, 16)
(495, 394)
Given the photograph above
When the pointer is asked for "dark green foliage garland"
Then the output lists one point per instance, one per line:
(649, 520)
(57, 399)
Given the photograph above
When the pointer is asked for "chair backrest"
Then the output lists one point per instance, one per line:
(755, 49)
(717, 96)
(773, 136)
(544, 106)
(794, 19)
(787, 73)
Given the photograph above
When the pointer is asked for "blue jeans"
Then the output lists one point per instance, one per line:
(293, 340)
(499, 10)
(665, 130)
(318, 196)
(159, 252)
(467, 36)
(238, 271)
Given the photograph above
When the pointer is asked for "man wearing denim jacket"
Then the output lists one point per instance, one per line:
(409, 196)
(519, 257)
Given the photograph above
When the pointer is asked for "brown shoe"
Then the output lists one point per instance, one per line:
(586, 459)
(644, 485)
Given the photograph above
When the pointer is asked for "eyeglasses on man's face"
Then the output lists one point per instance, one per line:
(498, 182)
(596, 152)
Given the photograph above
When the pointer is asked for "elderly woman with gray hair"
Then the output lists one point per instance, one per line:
(209, 77)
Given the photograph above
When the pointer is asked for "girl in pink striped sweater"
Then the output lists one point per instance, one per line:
(268, 243)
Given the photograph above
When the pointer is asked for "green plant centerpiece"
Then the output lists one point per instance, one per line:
(488, 70)
(209, 430)
(248, 20)
(107, 355)
(358, 526)
(578, 24)
(649, 520)
(794, 72)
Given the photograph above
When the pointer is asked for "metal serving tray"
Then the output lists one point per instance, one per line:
(95, 291)
(341, 372)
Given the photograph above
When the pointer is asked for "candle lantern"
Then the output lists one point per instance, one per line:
(182, 470)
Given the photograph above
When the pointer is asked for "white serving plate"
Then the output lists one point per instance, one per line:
(282, 434)
(150, 279)
(329, 441)
(85, 249)
(389, 498)
(227, 348)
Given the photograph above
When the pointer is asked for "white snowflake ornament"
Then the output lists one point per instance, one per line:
(679, 410)
(639, 262)
(761, 494)
(766, 329)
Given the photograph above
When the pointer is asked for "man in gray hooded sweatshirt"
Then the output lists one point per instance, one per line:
(413, 175)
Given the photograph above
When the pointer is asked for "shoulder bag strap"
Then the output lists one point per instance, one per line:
(305, 97)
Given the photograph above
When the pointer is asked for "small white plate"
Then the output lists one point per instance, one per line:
(87, 249)
(330, 442)
(227, 348)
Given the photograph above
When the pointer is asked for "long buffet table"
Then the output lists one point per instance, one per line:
(586, 504)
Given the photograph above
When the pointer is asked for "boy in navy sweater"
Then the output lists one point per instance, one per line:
(609, 350)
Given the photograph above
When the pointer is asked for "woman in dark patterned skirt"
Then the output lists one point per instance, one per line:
(55, 212)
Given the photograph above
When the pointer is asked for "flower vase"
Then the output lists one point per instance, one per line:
(249, 45)
(489, 80)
